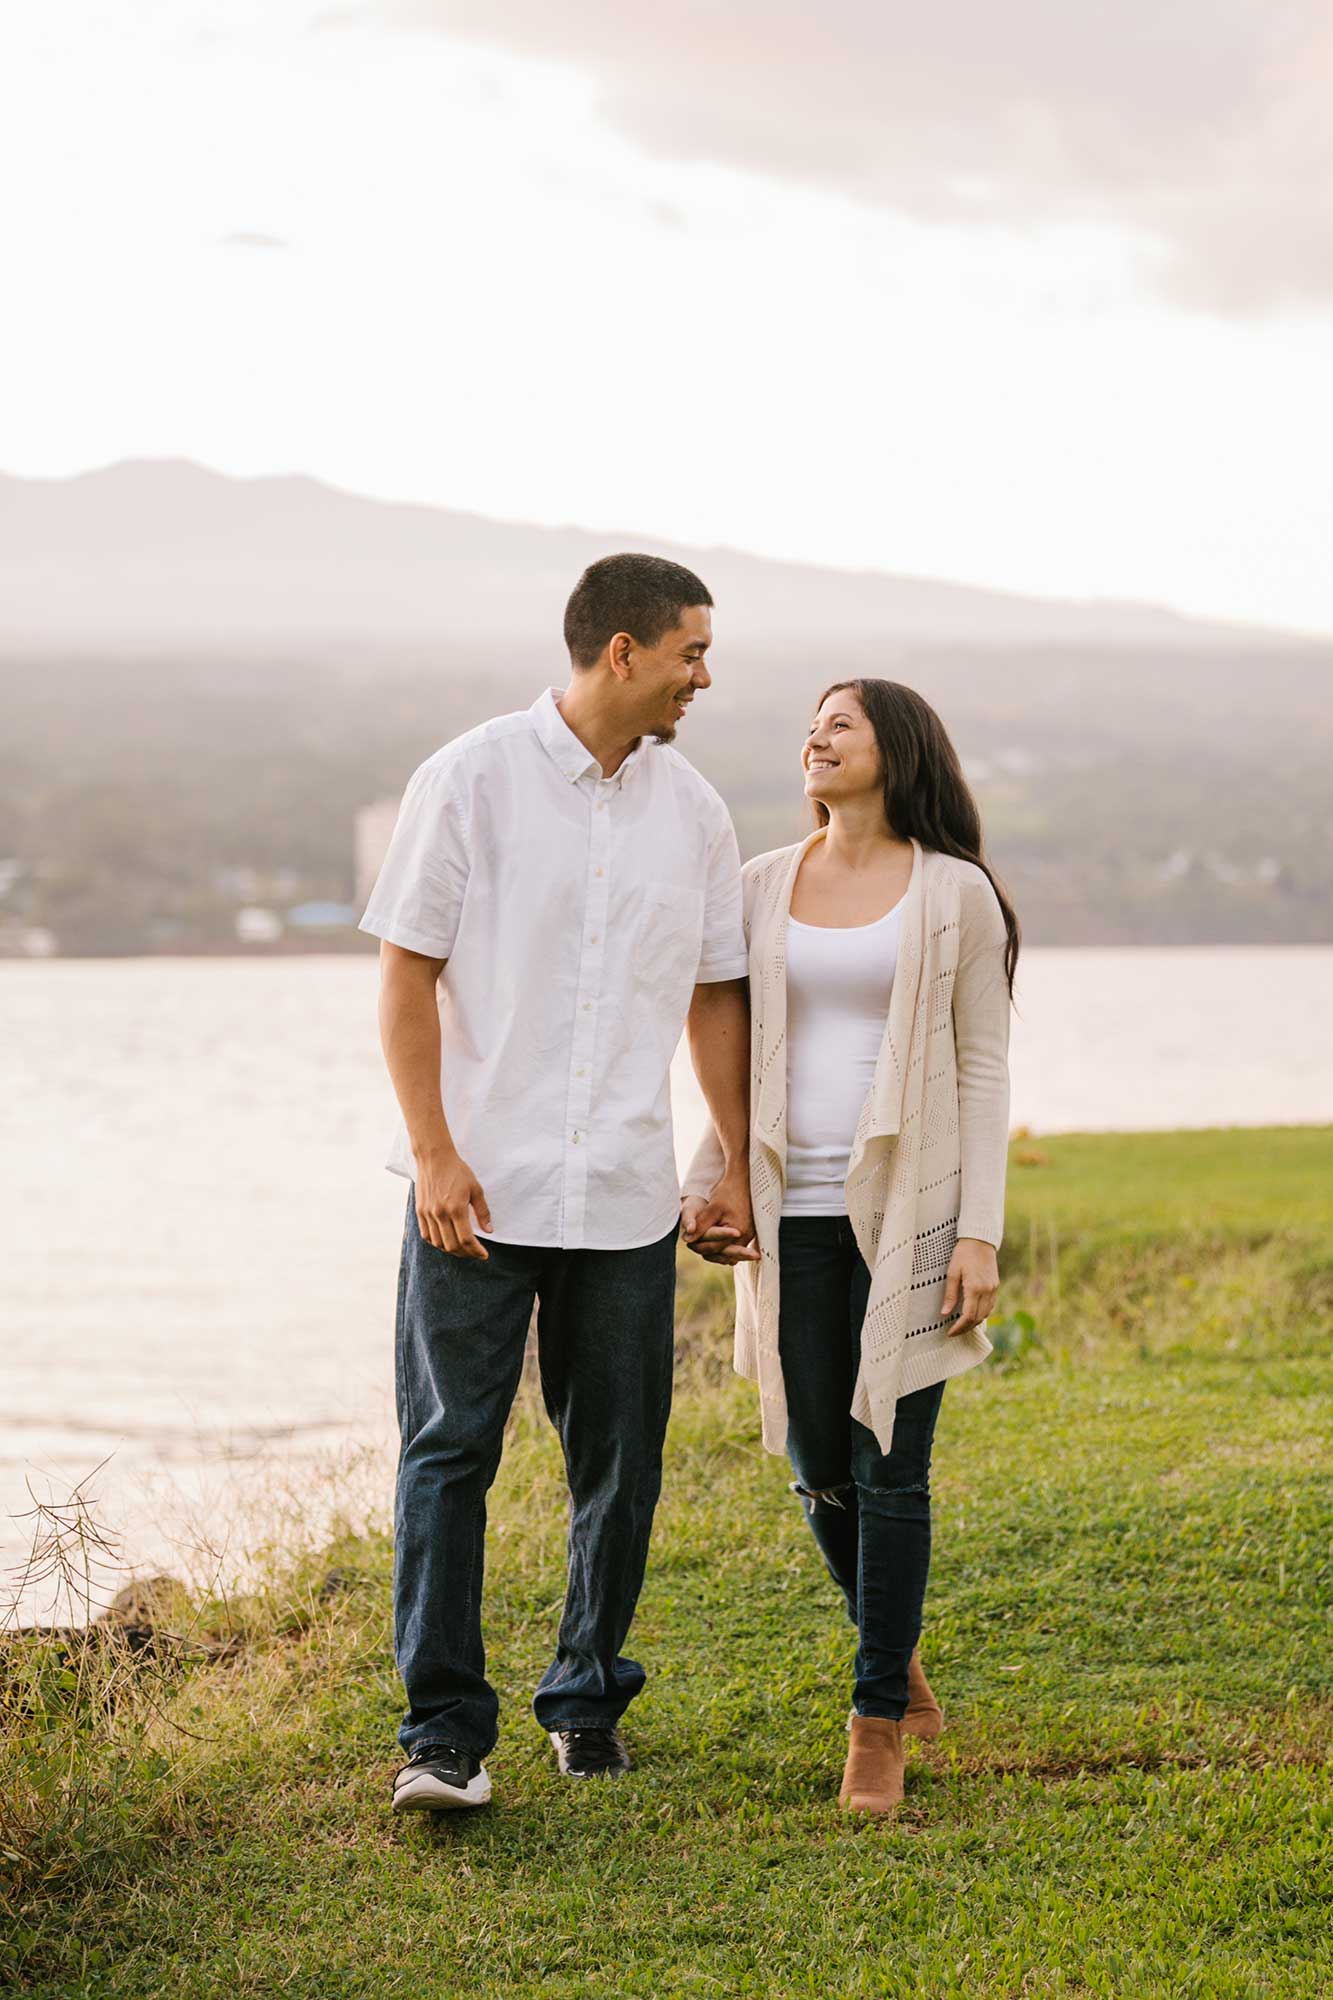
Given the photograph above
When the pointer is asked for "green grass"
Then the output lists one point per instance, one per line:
(1127, 1623)
(1248, 1180)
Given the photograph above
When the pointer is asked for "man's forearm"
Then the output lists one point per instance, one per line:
(719, 1031)
(410, 1036)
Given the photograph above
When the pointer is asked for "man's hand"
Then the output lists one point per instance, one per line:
(448, 1196)
(973, 1275)
(721, 1229)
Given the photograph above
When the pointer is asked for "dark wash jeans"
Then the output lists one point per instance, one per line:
(605, 1334)
(869, 1512)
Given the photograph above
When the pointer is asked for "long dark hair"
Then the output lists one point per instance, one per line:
(926, 795)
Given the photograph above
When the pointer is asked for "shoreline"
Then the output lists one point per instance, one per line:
(172, 1508)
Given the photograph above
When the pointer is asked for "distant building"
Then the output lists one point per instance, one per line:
(1176, 866)
(27, 941)
(249, 885)
(238, 885)
(257, 926)
(374, 830)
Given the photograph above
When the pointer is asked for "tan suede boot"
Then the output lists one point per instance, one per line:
(873, 1779)
(924, 1717)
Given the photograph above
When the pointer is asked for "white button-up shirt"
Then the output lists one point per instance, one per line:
(576, 913)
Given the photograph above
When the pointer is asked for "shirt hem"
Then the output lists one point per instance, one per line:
(539, 1243)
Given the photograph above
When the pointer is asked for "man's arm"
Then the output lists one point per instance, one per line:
(719, 1031)
(448, 1192)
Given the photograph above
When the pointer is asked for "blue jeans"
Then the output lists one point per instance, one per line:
(605, 1332)
(869, 1511)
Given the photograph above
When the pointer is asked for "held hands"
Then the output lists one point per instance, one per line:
(449, 1195)
(974, 1279)
(721, 1229)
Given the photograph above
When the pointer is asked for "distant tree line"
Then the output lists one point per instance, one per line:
(1128, 798)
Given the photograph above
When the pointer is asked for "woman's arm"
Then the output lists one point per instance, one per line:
(981, 1044)
(706, 1168)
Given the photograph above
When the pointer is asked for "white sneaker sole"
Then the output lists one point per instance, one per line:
(423, 1793)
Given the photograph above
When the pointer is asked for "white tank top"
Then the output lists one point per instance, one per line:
(838, 987)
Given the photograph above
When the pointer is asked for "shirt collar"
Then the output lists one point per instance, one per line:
(572, 758)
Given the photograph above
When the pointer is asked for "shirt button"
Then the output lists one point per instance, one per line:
(580, 1072)
(599, 871)
(576, 1138)
(594, 939)
(587, 1006)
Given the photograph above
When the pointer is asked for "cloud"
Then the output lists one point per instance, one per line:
(1201, 125)
(251, 239)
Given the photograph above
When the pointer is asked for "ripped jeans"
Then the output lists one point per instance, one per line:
(869, 1512)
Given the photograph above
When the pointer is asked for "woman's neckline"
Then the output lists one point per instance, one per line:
(874, 923)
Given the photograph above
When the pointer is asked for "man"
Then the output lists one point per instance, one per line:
(572, 887)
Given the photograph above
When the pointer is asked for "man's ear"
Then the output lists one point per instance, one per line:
(618, 653)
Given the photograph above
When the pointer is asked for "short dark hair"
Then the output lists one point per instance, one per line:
(641, 595)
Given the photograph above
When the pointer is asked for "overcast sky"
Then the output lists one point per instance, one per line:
(1038, 296)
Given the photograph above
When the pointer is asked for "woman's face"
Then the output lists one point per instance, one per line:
(841, 756)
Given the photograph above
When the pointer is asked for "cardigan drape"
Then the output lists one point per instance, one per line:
(929, 1154)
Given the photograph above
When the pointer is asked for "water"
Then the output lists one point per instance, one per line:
(200, 1245)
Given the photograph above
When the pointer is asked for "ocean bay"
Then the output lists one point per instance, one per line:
(200, 1242)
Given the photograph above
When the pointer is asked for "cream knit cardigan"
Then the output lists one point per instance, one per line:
(928, 1159)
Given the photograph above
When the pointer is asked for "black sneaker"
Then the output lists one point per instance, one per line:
(437, 1777)
(590, 1753)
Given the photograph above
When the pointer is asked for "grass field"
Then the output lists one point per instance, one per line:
(1127, 1624)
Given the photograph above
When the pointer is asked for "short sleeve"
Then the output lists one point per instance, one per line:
(723, 954)
(418, 896)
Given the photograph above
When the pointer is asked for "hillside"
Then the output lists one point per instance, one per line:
(204, 680)
(154, 554)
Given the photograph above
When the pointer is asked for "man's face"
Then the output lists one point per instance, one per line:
(666, 677)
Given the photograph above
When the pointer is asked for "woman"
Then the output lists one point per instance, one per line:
(882, 955)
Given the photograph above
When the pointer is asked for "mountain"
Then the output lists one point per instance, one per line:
(156, 554)
(204, 681)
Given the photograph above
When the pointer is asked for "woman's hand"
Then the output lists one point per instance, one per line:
(721, 1229)
(974, 1276)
